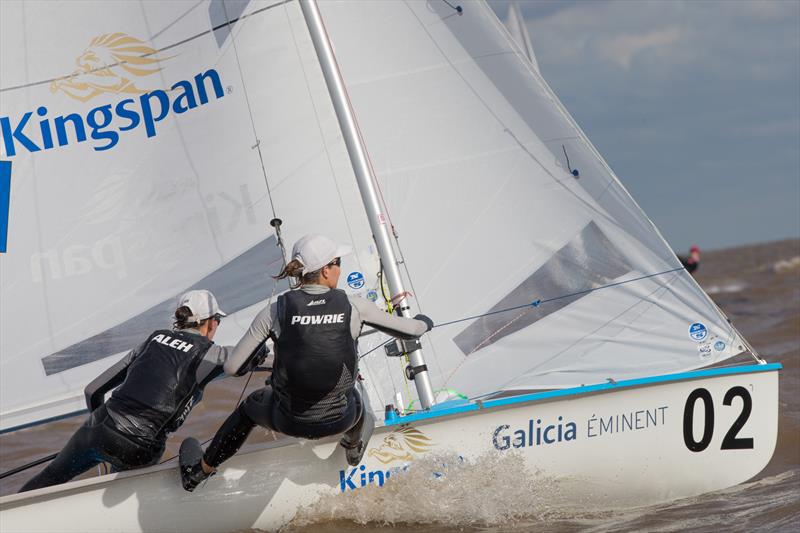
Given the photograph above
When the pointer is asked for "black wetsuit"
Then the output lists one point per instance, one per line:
(163, 380)
(312, 393)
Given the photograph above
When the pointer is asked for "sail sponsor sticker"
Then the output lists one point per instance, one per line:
(719, 346)
(372, 295)
(704, 349)
(698, 332)
(355, 280)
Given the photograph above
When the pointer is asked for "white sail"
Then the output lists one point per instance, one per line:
(490, 217)
(107, 226)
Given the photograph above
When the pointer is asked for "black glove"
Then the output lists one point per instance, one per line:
(255, 360)
(426, 319)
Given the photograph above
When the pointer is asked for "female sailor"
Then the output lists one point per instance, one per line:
(314, 390)
(161, 381)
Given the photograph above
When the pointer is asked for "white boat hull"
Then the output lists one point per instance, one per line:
(615, 445)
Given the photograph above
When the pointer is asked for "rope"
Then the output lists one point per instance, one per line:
(535, 303)
(27, 466)
(257, 145)
(452, 392)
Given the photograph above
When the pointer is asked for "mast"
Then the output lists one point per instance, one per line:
(366, 181)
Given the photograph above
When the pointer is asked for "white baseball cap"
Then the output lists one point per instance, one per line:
(202, 304)
(315, 251)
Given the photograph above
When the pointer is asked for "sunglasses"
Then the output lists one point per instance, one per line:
(336, 262)
(217, 317)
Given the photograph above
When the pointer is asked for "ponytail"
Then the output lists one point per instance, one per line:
(182, 315)
(294, 270)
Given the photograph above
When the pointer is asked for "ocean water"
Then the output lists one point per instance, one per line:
(757, 286)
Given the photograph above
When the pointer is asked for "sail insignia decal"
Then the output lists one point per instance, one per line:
(239, 283)
(107, 65)
(399, 445)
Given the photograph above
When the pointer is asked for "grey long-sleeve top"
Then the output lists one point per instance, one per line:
(364, 312)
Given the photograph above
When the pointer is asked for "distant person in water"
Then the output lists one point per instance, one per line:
(314, 391)
(159, 384)
(691, 262)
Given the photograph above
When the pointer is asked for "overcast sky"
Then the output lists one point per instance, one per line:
(694, 104)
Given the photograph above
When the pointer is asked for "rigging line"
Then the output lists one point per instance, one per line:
(373, 175)
(384, 205)
(458, 9)
(173, 45)
(613, 179)
(249, 377)
(537, 303)
(53, 456)
(389, 308)
(647, 299)
(568, 190)
(178, 19)
(375, 348)
(322, 133)
(644, 302)
(27, 466)
(237, 403)
(257, 146)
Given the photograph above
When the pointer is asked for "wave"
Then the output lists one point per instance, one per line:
(463, 498)
(786, 265)
(459, 494)
(730, 287)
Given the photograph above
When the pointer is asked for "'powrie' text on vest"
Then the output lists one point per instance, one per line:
(178, 344)
(317, 319)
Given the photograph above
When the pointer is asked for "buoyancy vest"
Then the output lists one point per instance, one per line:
(160, 387)
(316, 359)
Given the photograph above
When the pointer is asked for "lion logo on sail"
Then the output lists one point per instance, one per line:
(107, 66)
(399, 445)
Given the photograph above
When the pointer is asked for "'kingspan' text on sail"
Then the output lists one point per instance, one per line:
(99, 122)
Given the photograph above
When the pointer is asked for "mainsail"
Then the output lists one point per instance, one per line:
(152, 143)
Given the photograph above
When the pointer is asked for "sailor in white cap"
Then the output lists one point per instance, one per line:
(314, 390)
(157, 385)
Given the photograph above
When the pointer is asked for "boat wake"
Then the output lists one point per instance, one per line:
(492, 491)
(446, 490)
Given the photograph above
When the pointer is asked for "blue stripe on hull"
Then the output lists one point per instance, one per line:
(465, 406)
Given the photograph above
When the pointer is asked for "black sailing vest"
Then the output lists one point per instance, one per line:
(160, 387)
(315, 356)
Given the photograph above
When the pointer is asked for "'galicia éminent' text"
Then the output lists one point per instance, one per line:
(536, 434)
(620, 423)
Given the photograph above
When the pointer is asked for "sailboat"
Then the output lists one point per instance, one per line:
(156, 147)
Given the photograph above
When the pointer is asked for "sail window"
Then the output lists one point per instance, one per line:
(588, 261)
(240, 283)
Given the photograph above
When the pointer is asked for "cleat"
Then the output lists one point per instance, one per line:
(190, 461)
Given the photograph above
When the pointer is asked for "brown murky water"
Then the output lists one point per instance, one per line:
(757, 286)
